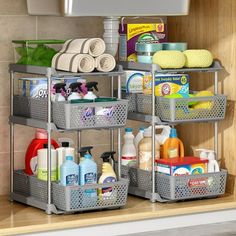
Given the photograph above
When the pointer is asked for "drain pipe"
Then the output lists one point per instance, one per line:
(111, 34)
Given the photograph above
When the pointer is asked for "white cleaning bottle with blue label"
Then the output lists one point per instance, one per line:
(88, 174)
(69, 172)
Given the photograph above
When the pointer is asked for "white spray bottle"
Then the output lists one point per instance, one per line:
(60, 88)
(90, 86)
(206, 154)
(75, 88)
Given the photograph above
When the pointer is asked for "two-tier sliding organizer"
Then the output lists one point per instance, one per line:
(61, 116)
(172, 111)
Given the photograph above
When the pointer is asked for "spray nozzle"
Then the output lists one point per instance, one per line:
(85, 150)
(107, 155)
(75, 87)
(92, 85)
(59, 87)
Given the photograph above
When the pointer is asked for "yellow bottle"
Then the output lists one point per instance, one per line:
(173, 146)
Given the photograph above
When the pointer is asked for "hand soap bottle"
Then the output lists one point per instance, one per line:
(60, 87)
(90, 86)
(75, 88)
(108, 175)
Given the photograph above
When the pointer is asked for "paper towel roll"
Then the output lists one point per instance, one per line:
(105, 63)
(93, 46)
(73, 62)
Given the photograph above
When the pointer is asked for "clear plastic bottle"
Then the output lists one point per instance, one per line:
(138, 138)
(129, 154)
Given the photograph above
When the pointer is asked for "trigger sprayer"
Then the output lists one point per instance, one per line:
(60, 89)
(85, 150)
(75, 89)
(90, 86)
(206, 154)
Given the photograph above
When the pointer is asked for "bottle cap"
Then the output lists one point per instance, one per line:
(69, 158)
(173, 133)
(128, 129)
(147, 132)
(41, 134)
(107, 155)
(75, 87)
(141, 128)
(91, 85)
(65, 144)
(45, 145)
(87, 156)
(85, 150)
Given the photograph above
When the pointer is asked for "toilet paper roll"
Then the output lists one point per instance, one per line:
(105, 63)
(73, 62)
(93, 46)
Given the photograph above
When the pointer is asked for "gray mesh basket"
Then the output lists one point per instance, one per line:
(179, 110)
(78, 198)
(30, 107)
(84, 115)
(178, 187)
(132, 98)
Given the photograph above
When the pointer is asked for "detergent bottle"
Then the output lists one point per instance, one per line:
(90, 86)
(145, 150)
(75, 88)
(173, 146)
(128, 152)
(138, 137)
(108, 175)
(37, 143)
(60, 88)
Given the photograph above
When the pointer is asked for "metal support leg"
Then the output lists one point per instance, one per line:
(112, 130)
(119, 133)
(79, 138)
(11, 136)
(48, 211)
(216, 123)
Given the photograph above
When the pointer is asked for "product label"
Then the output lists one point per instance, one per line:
(71, 180)
(88, 113)
(105, 111)
(43, 174)
(147, 84)
(90, 178)
(200, 182)
(173, 152)
(34, 164)
(107, 192)
(128, 161)
(181, 171)
(132, 82)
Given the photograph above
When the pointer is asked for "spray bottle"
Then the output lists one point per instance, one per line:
(90, 86)
(108, 175)
(83, 151)
(209, 155)
(75, 88)
(59, 87)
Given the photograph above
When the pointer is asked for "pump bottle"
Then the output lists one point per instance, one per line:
(75, 88)
(90, 86)
(59, 87)
(108, 175)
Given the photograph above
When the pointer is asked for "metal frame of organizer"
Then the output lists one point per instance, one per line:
(49, 207)
(154, 120)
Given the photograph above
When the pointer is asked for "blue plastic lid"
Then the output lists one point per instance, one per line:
(141, 128)
(87, 156)
(69, 158)
(128, 129)
(173, 133)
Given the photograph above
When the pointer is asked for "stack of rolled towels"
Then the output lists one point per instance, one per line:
(84, 55)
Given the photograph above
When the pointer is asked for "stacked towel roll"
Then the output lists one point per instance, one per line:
(83, 55)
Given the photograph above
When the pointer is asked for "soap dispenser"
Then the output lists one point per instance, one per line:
(90, 86)
(108, 175)
(59, 87)
(75, 88)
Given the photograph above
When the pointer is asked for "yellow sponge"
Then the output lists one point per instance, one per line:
(198, 58)
(169, 59)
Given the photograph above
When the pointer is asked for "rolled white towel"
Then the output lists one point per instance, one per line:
(105, 63)
(93, 46)
(73, 62)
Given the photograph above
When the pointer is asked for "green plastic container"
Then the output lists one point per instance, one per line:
(36, 52)
(105, 99)
(81, 101)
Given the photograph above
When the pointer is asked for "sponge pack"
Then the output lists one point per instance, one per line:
(189, 58)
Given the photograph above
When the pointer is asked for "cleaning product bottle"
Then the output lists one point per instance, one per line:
(108, 175)
(88, 175)
(69, 172)
(145, 150)
(209, 155)
(138, 138)
(60, 87)
(75, 88)
(31, 153)
(42, 171)
(84, 150)
(90, 86)
(128, 152)
(173, 146)
(62, 152)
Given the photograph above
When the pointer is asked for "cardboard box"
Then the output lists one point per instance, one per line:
(131, 33)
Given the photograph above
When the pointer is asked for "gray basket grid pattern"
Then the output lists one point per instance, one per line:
(82, 116)
(132, 98)
(71, 199)
(30, 107)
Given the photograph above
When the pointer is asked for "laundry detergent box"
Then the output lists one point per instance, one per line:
(182, 166)
(132, 81)
(130, 33)
(37, 87)
(166, 84)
